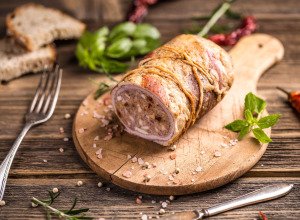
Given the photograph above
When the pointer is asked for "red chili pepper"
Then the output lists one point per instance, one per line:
(247, 27)
(140, 10)
(262, 216)
(294, 98)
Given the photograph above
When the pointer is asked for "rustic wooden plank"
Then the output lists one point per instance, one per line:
(119, 203)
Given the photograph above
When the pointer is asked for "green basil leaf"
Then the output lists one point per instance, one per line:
(102, 32)
(124, 29)
(254, 103)
(237, 125)
(86, 39)
(113, 66)
(243, 132)
(261, 136)
(83, 57)
(268, 121)
(119, 48)
(146, 31)
(248, 115)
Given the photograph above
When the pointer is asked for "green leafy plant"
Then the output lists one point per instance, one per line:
(254, 106)
(108, 51)
(70, 214)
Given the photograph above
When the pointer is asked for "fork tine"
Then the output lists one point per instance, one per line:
(54, 93)
(37, 92)
(54, 76)
(43, 92)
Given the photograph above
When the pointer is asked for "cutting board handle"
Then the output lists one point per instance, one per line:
(253, 55)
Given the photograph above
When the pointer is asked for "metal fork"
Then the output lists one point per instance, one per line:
(41, 109)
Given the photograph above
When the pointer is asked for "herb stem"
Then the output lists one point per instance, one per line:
(51, 209)
(283, 90)
(214, 18)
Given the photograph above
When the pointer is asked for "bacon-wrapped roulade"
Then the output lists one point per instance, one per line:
(172, 87)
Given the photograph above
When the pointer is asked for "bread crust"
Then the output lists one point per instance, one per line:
(25, 39)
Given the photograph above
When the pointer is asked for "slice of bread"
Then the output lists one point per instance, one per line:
(16, 61)
(35, 25)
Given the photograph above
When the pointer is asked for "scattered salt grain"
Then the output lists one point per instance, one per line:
(171, 178)
(171, 198)
(147, 178)
(55, 190)
(66, 139)
(67, 116)
(224, 145)
(127, 174)
(202, 152)
(94, 145)
(128, 157)
(61, 150)
(2, 203)
(85, 103)
(144, 217)
(119, 98)
(198, 169)
(84, 113)
(164, 204)
(134, 160)
(162, 211)
(153, 201)
(81, 130)
(100, 184)
(45, 161)
(193, 180)
(61, 130)
(108, 137)
(173, 147)
(96, 138)
(79, 183)
(140, 161)
(146, 165)
(217, 154)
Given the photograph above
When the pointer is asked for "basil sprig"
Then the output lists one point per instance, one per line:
(253, 121)
(107, 51)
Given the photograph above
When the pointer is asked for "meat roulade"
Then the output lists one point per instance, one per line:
(172, 87)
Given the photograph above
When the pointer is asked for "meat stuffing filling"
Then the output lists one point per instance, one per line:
(151, 118)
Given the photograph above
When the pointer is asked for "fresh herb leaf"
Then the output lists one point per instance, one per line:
(254, 103)
(268, 121)
(119, 48)
(102, 88)
(123, 29)
(243, 132)
(254, 107)
(261, 136)
(248, 116)
(71, 214)
(237, 125)
(146, 31)
(107, 53)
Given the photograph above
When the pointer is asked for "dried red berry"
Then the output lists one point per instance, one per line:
(247, 27)
(294, 98)
(139, 10)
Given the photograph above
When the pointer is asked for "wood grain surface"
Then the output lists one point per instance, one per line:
(30, 176)
(195, 152)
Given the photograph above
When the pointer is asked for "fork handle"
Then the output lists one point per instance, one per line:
(6, 163)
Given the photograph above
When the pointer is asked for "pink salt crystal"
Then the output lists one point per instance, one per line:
(134, 159)
(81, 130)
(217, 154)
(85, 103)
(140, 161)
(96, 138)
(127, 174)
(108, 137)
(138, 201)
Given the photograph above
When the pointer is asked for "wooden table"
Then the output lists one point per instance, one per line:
(31, 176)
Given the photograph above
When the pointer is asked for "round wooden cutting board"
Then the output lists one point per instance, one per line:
(203, 157)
